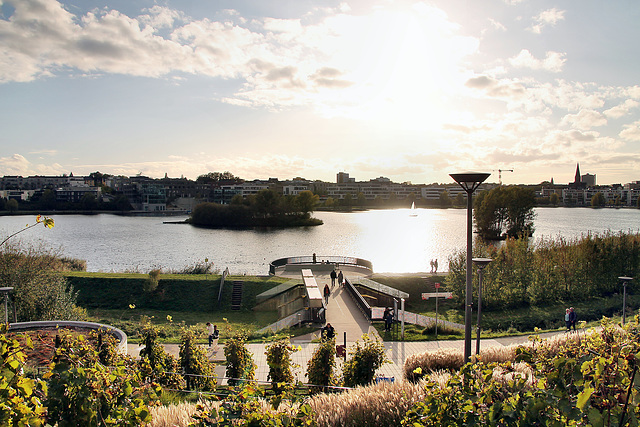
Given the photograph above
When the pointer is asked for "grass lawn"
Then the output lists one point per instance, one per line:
(499, 322)
(131, 320)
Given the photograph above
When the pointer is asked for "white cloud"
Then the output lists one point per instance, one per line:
(497, 25)
(553, 61)
(17, 164)
(545, 18)
(621, 109)
(584, 120)
(631, 132)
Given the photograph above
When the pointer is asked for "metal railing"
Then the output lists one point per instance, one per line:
(337, 260)
(361, 303)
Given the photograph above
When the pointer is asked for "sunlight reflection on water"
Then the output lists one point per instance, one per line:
(392, 239)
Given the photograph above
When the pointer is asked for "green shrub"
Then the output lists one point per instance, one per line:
(240, 364)
(40, 292)
(280, 365)
(151, 284)
(155, 363)
(320, 369)
(83, 391)
(367, 357)
(20, 397)
(198, 370)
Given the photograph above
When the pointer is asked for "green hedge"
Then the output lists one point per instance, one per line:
(174, 292)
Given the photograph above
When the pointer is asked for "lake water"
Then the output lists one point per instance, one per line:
(392, 240)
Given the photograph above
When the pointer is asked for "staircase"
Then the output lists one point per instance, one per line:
(236, 295)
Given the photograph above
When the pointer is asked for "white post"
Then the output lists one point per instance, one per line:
(402, 310)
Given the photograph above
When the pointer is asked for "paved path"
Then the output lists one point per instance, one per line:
(345, 317)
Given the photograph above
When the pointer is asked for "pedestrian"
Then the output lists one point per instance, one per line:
(435, 266)
(567, 319)
(573, 317)
(389, 320)
(340, 278)
(327, 292)
(334, 276)
(328, 332)
(431, 264)
(213, 333)
(385, 317)
(314, 258)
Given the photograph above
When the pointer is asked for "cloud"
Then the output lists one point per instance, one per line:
(621, 109)
(631, 132)
(17, 164)
(554, 61)
(505, 89)
(584, 120)
(545, 18)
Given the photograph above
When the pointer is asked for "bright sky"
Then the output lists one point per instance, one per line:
(408, 90)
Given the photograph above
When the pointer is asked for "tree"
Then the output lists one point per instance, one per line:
(217, 178)
(266, 202)
(361, 200)
(445, 200)
(11, 205)
(598, 200)
(554, 199)
(505, 210)
(306, 201)
(88, 202)
(48, 200)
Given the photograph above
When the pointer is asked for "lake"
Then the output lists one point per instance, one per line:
(392, 240)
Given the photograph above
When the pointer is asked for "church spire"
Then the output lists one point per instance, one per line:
(577, 180)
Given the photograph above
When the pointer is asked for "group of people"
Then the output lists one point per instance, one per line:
(434, 266)
(570, 318)
(335, 276)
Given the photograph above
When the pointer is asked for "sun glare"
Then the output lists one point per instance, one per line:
(405, 65)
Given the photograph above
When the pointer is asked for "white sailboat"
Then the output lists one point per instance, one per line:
(412, 211)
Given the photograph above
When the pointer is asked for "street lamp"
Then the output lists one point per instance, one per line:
(6, 291)
(469, 181)
(481, 263)
(625, 280)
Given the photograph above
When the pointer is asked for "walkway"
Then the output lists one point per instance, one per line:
(345, 317)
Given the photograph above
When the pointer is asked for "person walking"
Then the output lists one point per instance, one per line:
(567, 319)
(435, 266)
(334, 276)
(573, 318)
(431, 264)
(327, 292)
(340, 278)
(213, 333)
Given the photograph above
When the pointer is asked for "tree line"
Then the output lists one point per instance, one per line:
(267, 208)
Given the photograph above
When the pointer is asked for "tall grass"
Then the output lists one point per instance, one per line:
(418, 366)
(525, 273)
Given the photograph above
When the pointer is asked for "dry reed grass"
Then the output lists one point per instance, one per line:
(418, 365)
(176, 415)
(382, 404)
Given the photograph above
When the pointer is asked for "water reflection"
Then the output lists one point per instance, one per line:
(392, 239)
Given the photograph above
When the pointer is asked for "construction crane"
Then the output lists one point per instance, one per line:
(500, 174)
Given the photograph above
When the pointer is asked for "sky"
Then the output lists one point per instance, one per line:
(408, 90)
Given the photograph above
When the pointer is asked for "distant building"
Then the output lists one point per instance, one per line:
(588, 179)
(343, 178)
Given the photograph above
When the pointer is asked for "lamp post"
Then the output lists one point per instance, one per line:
(6, 291)
(469, 181)
(625, 280)
(481, 263)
